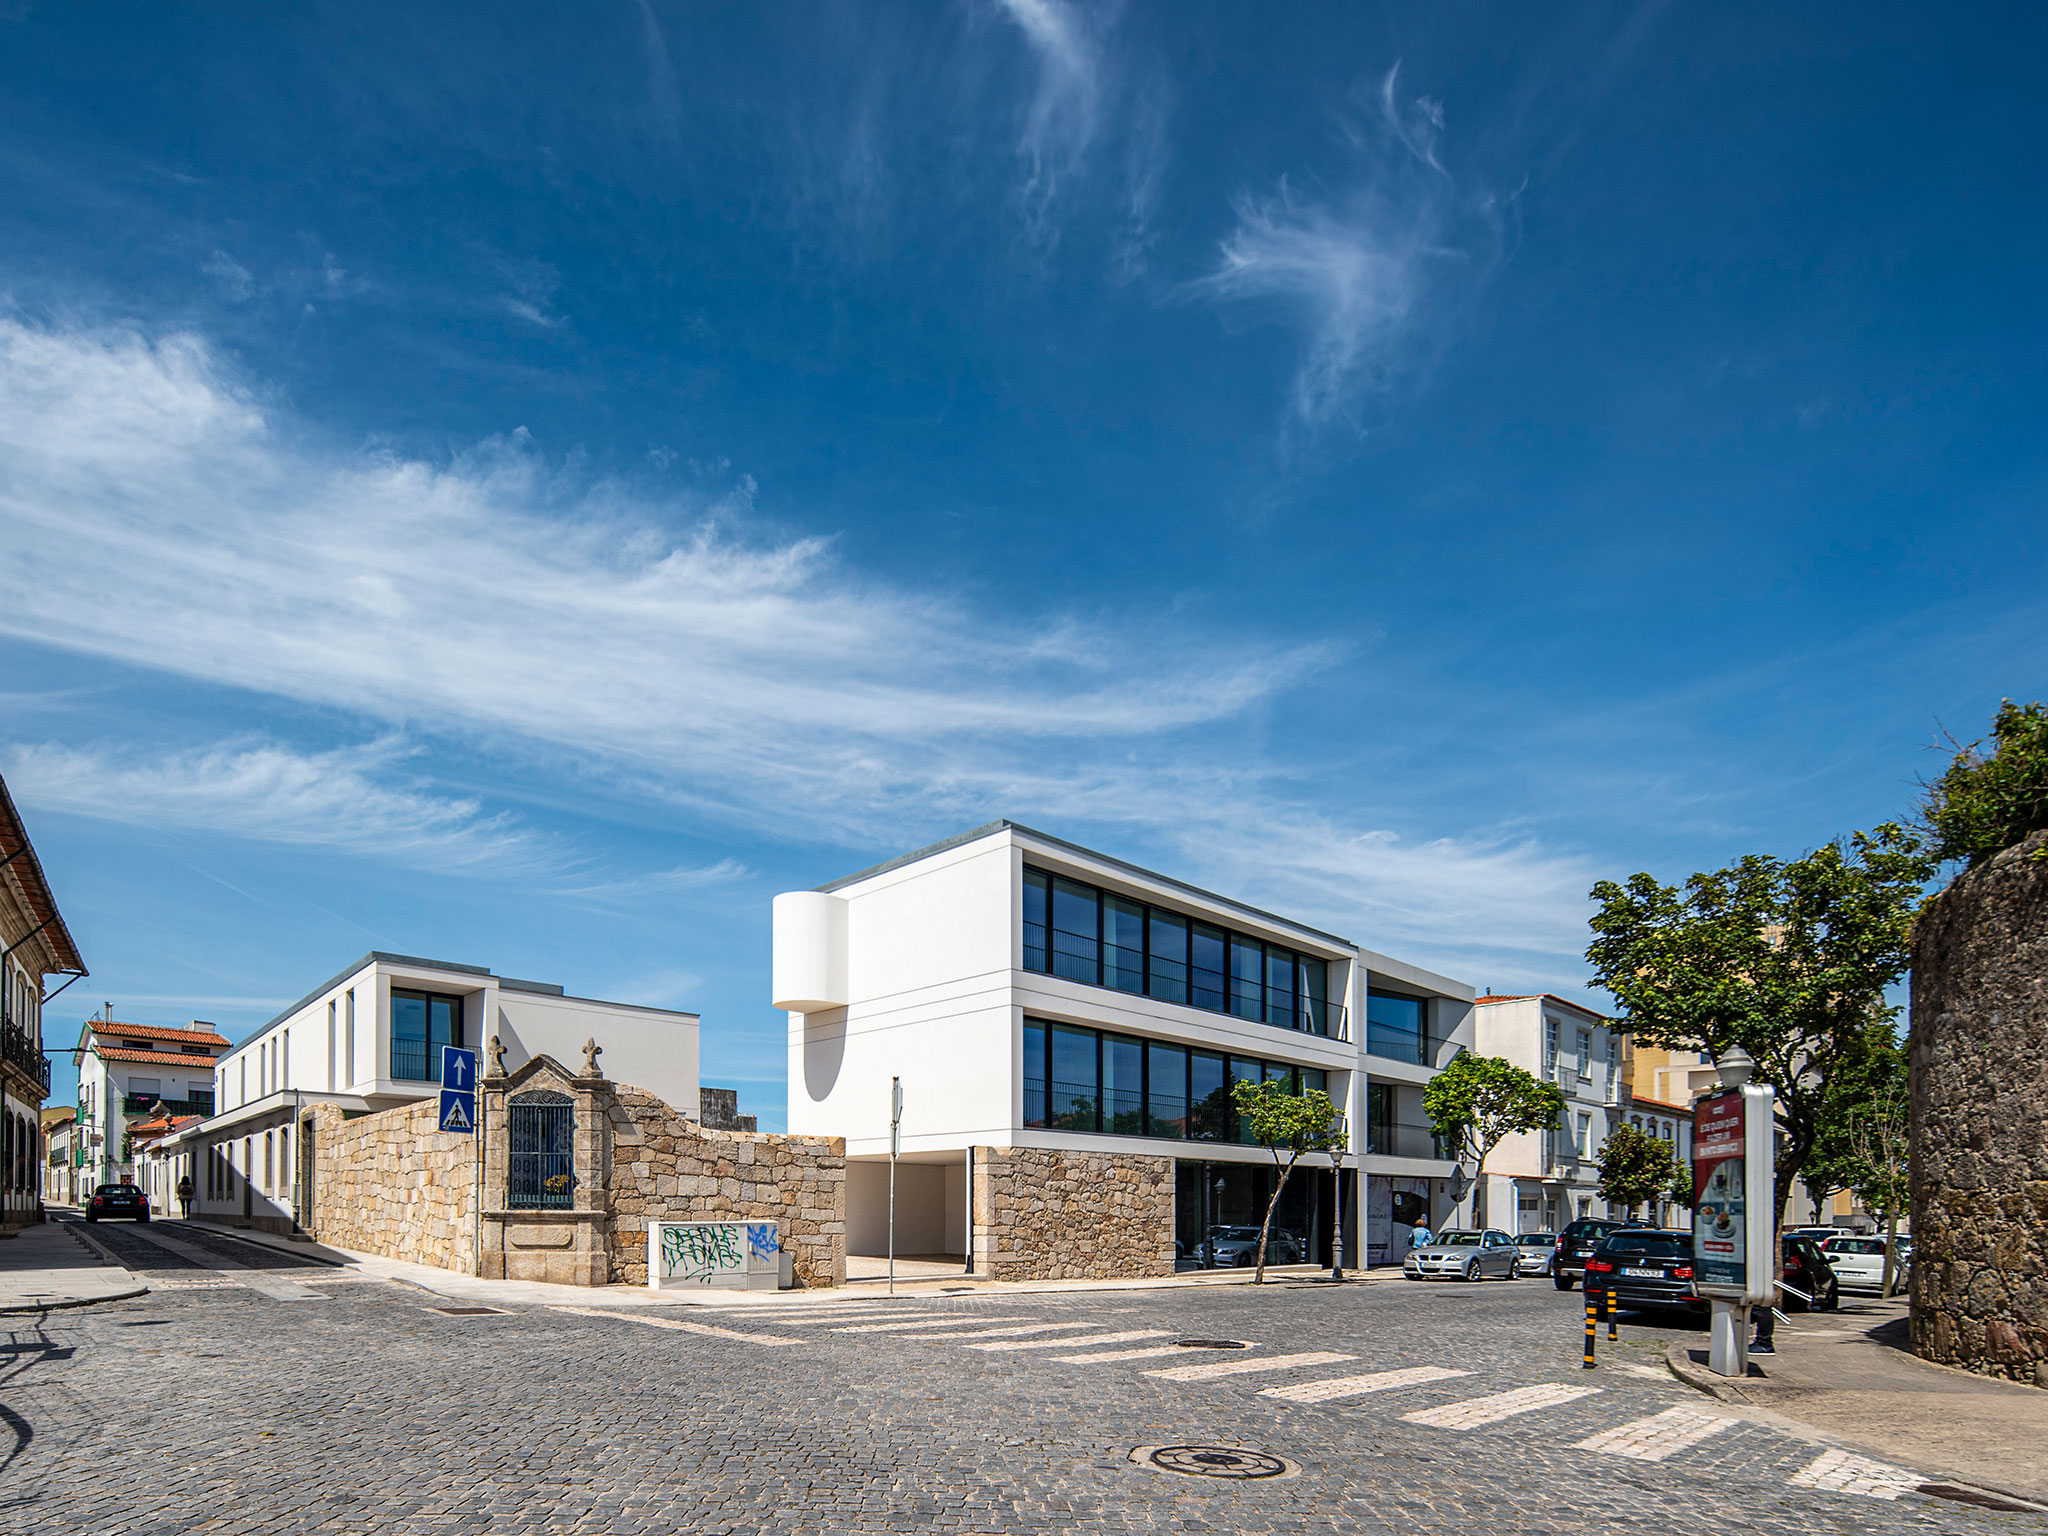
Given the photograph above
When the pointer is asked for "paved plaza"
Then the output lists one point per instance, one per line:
(254, 1391)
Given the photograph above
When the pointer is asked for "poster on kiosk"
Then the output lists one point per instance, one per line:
(1733, 1252)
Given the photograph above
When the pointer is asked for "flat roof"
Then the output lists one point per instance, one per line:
(1139, 870)
(505, 983)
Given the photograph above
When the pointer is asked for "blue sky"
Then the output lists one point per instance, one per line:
(524, 484)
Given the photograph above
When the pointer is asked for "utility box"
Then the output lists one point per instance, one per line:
(714, 1255)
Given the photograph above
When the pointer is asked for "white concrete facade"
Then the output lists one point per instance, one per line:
(345, 1043)
(1536, 1181)
(920, 969)
(124, 1072)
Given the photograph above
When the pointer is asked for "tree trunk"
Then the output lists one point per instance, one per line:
(1891, 1251)
(1272, 1205)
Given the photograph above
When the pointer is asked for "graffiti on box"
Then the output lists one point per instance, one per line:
(701, 1253)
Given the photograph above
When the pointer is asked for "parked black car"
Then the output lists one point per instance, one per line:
(1645, 1267)
(1575, 1245)
(117, 1200)
(1809, 1272)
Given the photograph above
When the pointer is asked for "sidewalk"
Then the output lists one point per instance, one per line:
(860, 1292)
(46, 1267)
(1850, 1375)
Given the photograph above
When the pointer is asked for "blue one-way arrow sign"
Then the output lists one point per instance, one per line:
(458, 1069)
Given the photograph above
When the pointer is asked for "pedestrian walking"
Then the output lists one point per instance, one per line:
(1419, 1236)
(185, 1195)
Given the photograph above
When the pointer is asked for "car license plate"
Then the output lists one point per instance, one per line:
(1644, 1274)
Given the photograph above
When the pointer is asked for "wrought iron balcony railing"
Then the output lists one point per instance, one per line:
(23, 1052)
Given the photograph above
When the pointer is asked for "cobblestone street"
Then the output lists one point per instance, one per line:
(284, 1396)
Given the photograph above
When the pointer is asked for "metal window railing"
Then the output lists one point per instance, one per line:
(1402, 1138)
(18, 1048)
(540, 1174)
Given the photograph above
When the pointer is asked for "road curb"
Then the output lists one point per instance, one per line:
(1679, 1358)
(106, 1255)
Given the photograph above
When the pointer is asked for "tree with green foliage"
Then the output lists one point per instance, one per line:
(1986, 802)
(1789, 960)
(1295, 1124)
(1682, 1190)
(1865, 1142)
(1477, 1102)
(1634, 1168)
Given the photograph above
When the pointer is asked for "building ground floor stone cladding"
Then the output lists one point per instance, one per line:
(1047, 1215)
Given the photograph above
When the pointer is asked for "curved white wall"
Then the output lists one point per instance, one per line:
(809, 969)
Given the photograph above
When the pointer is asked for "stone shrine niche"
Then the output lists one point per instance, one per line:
(547, 1147)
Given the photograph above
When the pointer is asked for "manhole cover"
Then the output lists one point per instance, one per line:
(1229, 1461)
(469, 1311)
(1209, 1343)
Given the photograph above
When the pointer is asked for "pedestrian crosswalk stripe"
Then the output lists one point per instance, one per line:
(1130, 1336)
(1358, 1386)
(1246, 1367)
(1476, 1411)
(997, 1333)
(922, 1322)
(1105, 1356)
(1658, 1436)
(679, 1325)
(1841, 1472)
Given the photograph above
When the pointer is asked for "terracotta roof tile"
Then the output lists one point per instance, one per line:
(159, 1058)
(118, 1030)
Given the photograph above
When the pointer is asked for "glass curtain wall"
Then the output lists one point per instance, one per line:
(421, 1023)
(1397, 1027)
(1093, 1080)
(1088, 935)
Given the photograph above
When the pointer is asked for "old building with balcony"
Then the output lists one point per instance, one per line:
(131, 1073)
(34, 946)
(1538, 1181)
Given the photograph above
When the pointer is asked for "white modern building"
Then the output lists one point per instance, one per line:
(370, 1038)
(34, 944)
(1033, 994)
(128, 1073)
(1537, 1181)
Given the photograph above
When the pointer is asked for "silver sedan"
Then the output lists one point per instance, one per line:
(1464, 1256)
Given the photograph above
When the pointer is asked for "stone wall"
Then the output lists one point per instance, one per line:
(393, 1185)
(666, 1167)
(1041, 1215)
(1980, 1119)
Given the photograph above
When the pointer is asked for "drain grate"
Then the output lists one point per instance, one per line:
(1208, 1343)
(469, 1311)
(1237, 1462)
(1974, 1496)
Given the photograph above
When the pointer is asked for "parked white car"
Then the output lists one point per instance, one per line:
(1858, 1262)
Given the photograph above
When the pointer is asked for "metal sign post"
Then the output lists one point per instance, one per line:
(1734, 1201)
(895, 1146)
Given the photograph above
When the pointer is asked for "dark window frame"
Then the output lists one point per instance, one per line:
(431, 1072)
(1305, 1007)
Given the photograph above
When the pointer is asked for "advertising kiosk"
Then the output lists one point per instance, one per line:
(1734, 1234)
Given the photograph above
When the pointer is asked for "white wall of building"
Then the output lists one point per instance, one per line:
(1558, 1168)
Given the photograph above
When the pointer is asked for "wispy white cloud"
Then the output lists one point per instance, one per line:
(1065, 109)
(1360, 265)
(340, 799)
(663, 650)
(662, 885)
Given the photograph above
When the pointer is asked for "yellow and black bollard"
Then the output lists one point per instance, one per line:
(1592, 1326)
(1607, 1305)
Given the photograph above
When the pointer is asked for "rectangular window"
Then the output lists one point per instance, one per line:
(1314, 989)
(1123, 1085)
(1167, 978)
(1034, 1075)
(1314, 1080)
(1123, 944)
(421, 1023)
(1394, 1027)
(1379, 1119)
(145, 1087)
(1166, 1090)
(1208, 1097)
(1280, 1008)
(1243, 1071)
(348, 1038)
(1550, 1049)
(269, 1168)
(1037, 899)
(1076, 1090)
(1076, 931)
(1285, 1076)
(1247, 970)
(1208, 948)
(1585, 1055)
(1585, 1133)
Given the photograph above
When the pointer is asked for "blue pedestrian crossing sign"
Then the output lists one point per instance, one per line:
(458, 1112)
(458, 1090)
